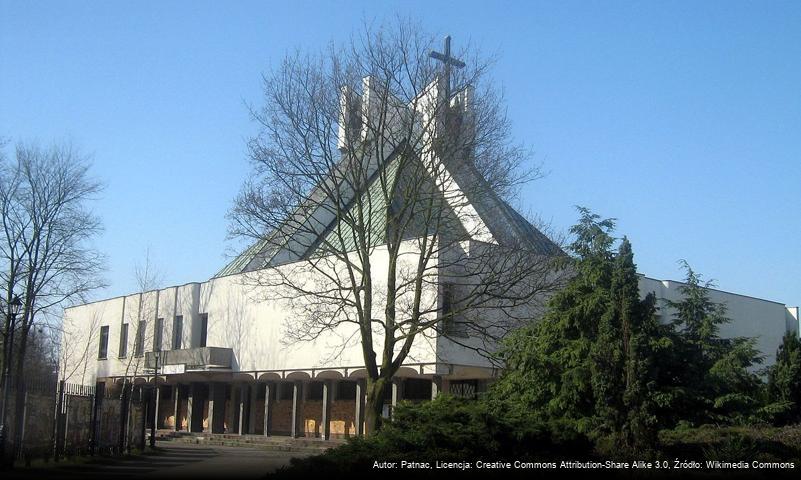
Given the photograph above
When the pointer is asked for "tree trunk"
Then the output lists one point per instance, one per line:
(20, 381)
(5, 347)
(374, 405)
(122, 440)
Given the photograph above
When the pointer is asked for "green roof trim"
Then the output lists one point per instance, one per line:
(238, 264)
(375, 202)
(340, 237)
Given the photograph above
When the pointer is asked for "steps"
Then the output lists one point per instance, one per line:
(309, 446)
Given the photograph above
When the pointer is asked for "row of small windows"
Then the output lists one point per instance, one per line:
(451, 328)
(158, 336)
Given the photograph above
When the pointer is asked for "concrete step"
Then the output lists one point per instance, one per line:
(272, 448)
(266, 447)
(269, 443)
(265, 441)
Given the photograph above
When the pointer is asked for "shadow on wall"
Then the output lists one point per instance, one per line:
(240, 330)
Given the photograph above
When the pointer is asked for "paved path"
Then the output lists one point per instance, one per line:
(174, 461)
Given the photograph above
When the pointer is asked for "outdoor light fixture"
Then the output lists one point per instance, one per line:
(15, 306)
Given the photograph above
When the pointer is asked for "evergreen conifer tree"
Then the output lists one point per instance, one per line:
(715, 375)
(784, 380)
(589, 360)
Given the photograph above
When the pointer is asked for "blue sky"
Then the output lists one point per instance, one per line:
(681, 119)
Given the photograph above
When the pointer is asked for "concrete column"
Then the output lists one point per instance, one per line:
(325, 431)
(157, 398)
(254, 398)
(359, 417)
(190, 400)
(436, 386)
(212, 393)
(176, 395)
(268, 408)
(201, 397)
(216, 407)
(297, 407)
(397, 394)
(243, 398)
(233, 409)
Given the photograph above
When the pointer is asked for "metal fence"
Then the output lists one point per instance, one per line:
(63, 419)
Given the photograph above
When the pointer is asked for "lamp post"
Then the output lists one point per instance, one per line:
(14, 308)
(155, 400)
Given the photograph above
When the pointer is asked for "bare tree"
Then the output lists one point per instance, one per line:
(47, 256)
(74, 341)
(379, 206)
(149, 278)
(12, 247)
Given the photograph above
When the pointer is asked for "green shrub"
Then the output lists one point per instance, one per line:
(738, 446)
(726, 443)
(448, 429)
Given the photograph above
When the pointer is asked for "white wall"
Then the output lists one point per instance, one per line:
(252, 320)
(793, 318)
(499, 315)
(750, 317)
(764, 320)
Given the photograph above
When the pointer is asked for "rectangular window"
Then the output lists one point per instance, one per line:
(158, 335)
(124, 340)
(103, 353)
(447, 299)
(452, 327)
(204, 329)
(177, 332)
(139, 348)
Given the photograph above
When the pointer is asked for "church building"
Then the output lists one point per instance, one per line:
(216, 354)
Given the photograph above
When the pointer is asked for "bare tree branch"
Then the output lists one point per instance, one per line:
(374, 198)
(46, 255)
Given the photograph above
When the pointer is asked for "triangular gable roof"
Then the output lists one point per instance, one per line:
(507, 225)
(504, 223)
(495, 221)
(266, 252)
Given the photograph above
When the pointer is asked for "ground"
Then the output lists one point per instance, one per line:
(174, 461)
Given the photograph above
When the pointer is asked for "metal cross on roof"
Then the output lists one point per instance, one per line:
(448, 62)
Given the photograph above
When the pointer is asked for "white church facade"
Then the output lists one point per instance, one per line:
(224, 368)
(216, 357)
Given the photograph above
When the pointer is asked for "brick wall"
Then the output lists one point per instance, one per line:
(312, 417)
(166, 413)
(182, 411)
(205, 416)
(282, 417)
(343, 414)
(258, 428)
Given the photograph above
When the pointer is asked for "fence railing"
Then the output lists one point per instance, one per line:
(64, 419)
